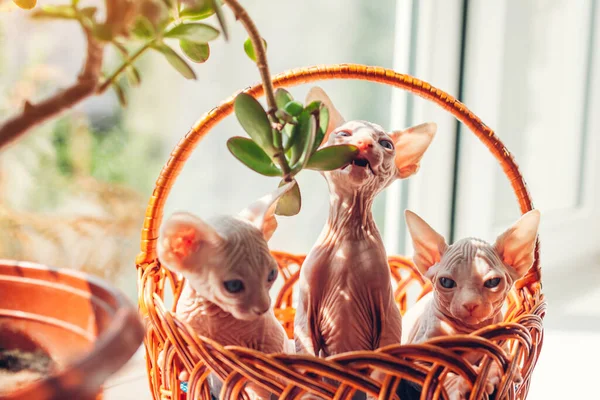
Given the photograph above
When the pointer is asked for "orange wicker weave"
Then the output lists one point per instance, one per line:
(515, 344)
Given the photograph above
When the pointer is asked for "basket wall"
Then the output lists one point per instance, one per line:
(288, 375)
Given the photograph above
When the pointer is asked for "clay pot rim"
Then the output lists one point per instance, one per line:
(110, 350)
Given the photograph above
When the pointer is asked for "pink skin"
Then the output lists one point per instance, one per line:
(471, 280)
(230, 248)
(346, 300)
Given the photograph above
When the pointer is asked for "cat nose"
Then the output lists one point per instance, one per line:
(262, 308)
(364, 144)
(261, 311)
(470, 307)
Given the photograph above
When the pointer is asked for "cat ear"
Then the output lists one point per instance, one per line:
(411, 144)
(261, 213)
(335, 118)
(186, 241)
(516, 245)
(428, 244)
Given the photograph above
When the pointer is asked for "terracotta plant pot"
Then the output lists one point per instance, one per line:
(85, 326)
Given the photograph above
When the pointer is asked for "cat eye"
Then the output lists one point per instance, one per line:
(387, 144)
(492, 283)
(234, 286)
(344, 134)
(272, 275)
(447, 283)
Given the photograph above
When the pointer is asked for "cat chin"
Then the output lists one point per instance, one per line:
(353, 174)
(244, 315)
(472, 320)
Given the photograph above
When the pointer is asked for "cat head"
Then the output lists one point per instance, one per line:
(383, 157)
(471, 278)
(227, 261)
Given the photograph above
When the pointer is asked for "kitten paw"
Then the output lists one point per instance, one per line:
(518, 379)
(457, 387)
(184, 376)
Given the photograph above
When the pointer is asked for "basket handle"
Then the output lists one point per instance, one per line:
(184, 148)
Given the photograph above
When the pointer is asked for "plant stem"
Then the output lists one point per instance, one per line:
(85, 86)
(263, 69)
(109, 81)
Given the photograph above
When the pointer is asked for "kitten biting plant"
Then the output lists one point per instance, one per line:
(346, 302)
(229, 271)
(471, 279)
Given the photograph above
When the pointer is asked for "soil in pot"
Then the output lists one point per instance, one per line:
(22, 360)
(19, 368)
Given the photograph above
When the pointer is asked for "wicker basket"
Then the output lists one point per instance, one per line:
(288, 376)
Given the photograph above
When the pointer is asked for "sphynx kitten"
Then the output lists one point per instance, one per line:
(229, 271)
(346, 301)
(471, 279)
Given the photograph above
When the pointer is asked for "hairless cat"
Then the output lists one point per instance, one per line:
(471, 280)
(346, 301)
(229, 271)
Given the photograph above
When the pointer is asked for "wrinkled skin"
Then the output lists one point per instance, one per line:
(211, 257)
(346, 301)
(471, 280)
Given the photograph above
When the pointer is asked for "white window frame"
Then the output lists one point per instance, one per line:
(428, 46)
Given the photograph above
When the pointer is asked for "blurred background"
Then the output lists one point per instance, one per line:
(73, 192)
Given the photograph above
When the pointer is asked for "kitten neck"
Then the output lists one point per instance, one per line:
(350, 214)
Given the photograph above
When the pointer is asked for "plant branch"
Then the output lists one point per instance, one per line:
(85, 86)
(128, 62)
(263, 68)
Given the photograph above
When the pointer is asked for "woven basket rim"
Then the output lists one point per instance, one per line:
(298, 76)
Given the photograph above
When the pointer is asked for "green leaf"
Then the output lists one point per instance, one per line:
(200, 9)
(323, 122)
(332, 157)
(219, 11)
(308, 132)
(196, 52)
(249, 49)
(282, 97)
(302, 148)
(254, 120)
(195, 32)
(314, 106)
(294, 108)
(290, 203)
(143, 28)
(56, 12)
(120, 94)
(284, 116)
(252, 156)
(133, 76)
(175, 60)
(293, 148)
(293, 136)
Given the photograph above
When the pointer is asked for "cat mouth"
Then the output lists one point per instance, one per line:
(361, 163)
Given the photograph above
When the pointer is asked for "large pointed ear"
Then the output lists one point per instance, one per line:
(411, 144)
(428, 244)
(185, 241)
(261, 213)
(335, 118)
(516, 246)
